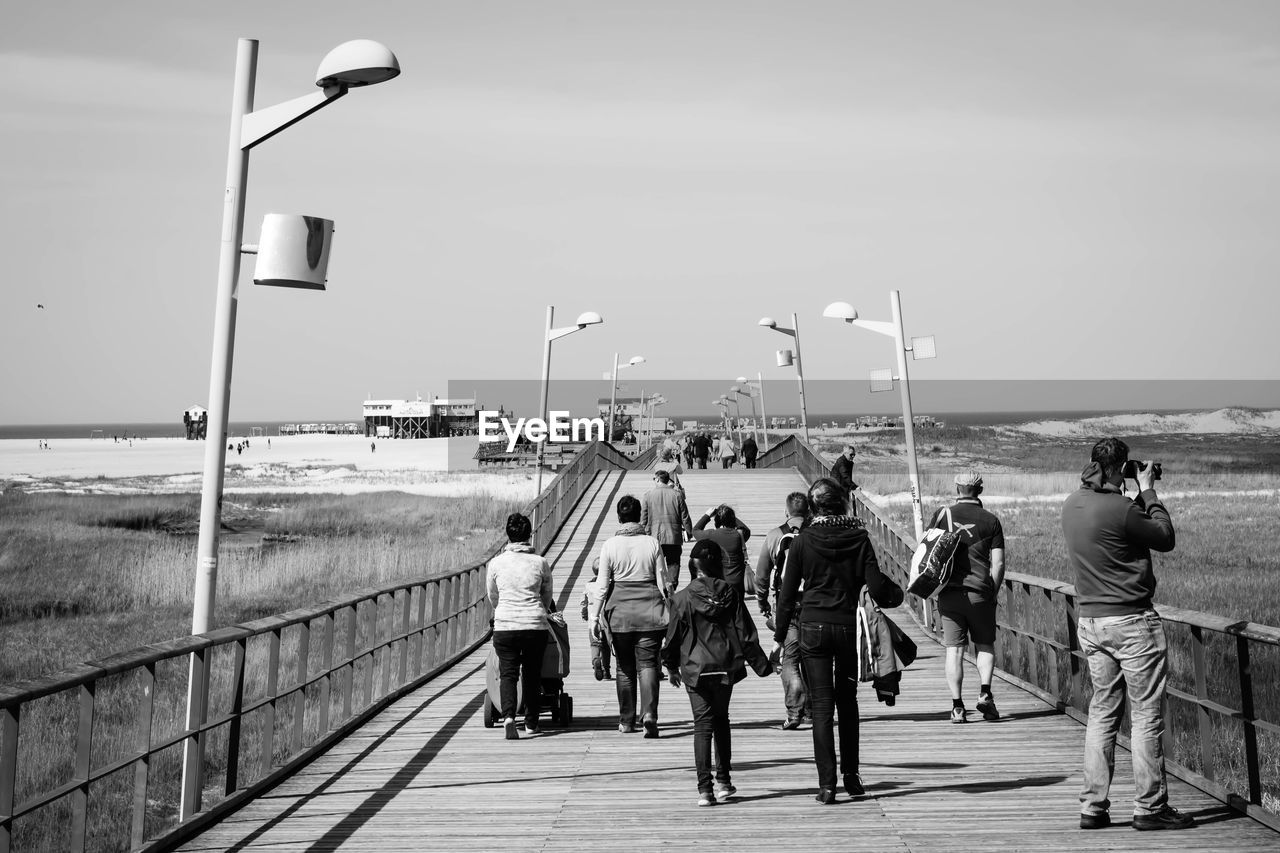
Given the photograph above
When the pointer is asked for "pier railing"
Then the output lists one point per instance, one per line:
(1221, 735)
(104, 739)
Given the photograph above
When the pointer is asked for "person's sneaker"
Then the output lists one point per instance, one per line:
(650, 727)
(608, 676)
(853, 785)
(1101, 820)
(826, 796)
(725, 790)
(627, 728)
(791, 724)
(599, 670)
(510, 725)
(533, 728)
(959, 715)
(987, 707)
(707, 798)
(1166, 818)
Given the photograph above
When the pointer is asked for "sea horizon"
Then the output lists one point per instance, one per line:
(270, 428)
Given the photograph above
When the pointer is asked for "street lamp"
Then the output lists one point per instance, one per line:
(737, 389)
(723, 405)
(588, 318)
(613, 392)
(784, 360)
(882, 380)
(351, 65)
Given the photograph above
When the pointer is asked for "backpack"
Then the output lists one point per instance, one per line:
(789, 534)
(933, 559)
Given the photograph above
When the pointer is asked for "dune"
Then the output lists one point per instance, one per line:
(1222, 421)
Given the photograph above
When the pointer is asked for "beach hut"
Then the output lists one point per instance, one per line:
(195, 422)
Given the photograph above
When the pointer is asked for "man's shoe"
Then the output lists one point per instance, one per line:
(510, 726)
(1101, 820)
(959, 715)
(987, 707)
(650, 727)
(1166, 818)
(791, 724)
(706, 798)
(725, 790)
(532, 728)
(627, 728)
(826, 796)
(598, 668)
(853, 785)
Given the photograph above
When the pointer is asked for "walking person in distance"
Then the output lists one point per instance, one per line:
(833, 558)
(769, 565)
(519, 586)
(1109, 542)
(665, 516)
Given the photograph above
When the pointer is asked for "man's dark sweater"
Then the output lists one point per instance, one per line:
(1109, 544)
(842, 472)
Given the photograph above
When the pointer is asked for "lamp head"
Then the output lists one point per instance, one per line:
(361, 62)
(588, 318)
(638, 359)
(768, 322)
(741, 380)
(840, 311)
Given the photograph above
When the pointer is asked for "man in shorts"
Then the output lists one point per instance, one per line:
(967, 605)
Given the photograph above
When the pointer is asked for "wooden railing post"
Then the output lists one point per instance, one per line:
(348, 682)
(1247, 718)
(232, 777)
(1202, 693)
(142, 768)
(300, 698)
(405, 628)
(269, 710)
(84, 757)
(9, 717)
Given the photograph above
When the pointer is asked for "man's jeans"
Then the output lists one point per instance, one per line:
(828, 653)
(637, 656)
(709, 702)
(794, 695)
(1127, 657)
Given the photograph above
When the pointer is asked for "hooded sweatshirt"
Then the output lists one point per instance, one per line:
(1109, 543)
(834, 558)
(711, 635)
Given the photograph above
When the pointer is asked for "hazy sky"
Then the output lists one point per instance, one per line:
(1060, 191)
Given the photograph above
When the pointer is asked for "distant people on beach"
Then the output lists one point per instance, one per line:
(373, 447)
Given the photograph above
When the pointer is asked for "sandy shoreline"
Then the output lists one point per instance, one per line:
(305, 463)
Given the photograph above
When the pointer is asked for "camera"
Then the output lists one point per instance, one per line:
(1133, 466)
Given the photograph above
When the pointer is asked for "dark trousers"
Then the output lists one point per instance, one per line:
(637, 655)
(829, 659)
(710, 704)
(749, 460)
(671, 553)
(702, 461)
(520, 658)
(600, 650)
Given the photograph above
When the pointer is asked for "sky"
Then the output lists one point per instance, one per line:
(1083, 191)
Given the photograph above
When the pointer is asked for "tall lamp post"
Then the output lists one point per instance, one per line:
(882, 380)
(350, 65)
(750, 395)
(613, 392)
(723, 406)
(587, 318)
(784, 360)
(735, 423)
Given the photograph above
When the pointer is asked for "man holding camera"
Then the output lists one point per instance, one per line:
(1109, 542)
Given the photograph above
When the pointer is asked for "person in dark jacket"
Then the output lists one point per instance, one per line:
(710, 641)
(1109, 543)
(701, 449)
(834, 560)
(842, 469)
(731, 534)
(750, 450)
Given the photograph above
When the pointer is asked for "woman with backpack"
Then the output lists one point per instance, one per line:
(834, 560)
(710, 640)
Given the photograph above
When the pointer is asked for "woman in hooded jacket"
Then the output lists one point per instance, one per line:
(710, 640)
(834, 560)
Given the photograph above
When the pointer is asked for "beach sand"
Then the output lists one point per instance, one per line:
(304, 463)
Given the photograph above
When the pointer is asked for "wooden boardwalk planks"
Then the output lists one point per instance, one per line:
(426, 775)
